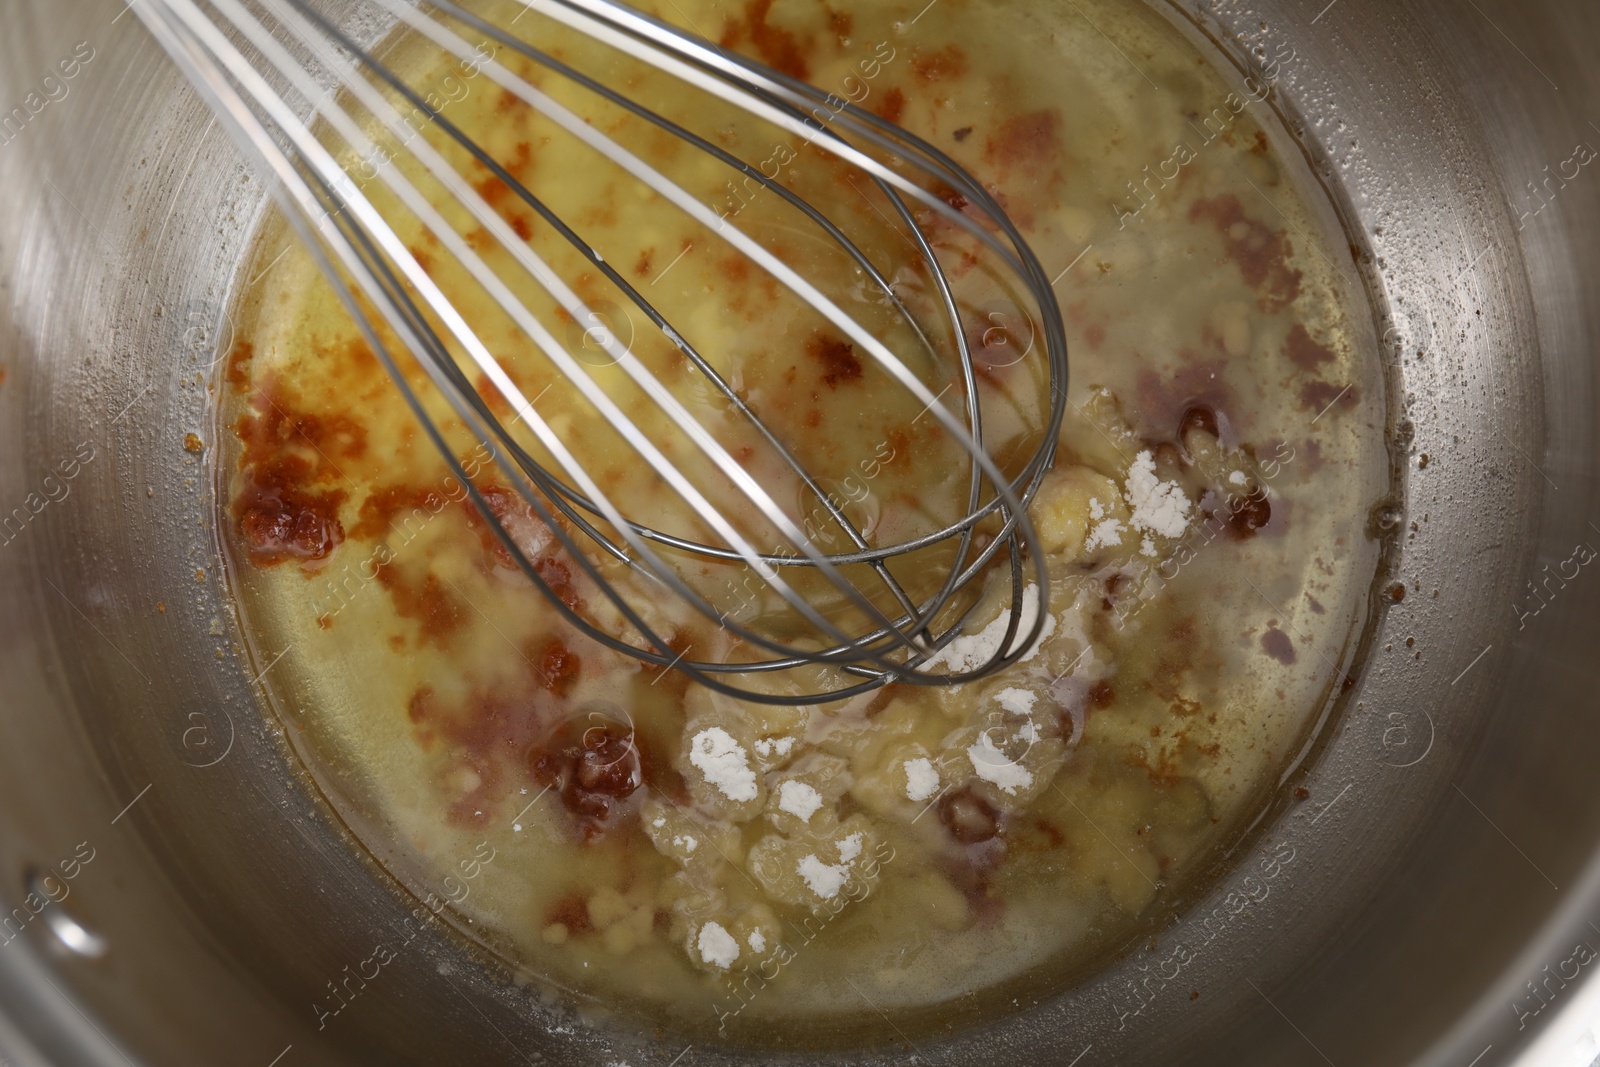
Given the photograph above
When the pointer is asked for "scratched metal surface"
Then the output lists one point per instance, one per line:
(1447, 857)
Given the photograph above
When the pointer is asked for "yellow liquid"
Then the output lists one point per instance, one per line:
(1203, 287)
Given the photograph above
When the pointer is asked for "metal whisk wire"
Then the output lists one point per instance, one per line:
(343, 229)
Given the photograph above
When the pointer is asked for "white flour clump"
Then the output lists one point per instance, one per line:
(1106, 534)
(922, 781)
(971, 651)
(758, 941)
(717, 946)
(1017, 701)
(990, 764)
(1159, 507)
(724, 763)
(799, 800)
(768, 746)
(850, 848)
(824, 879)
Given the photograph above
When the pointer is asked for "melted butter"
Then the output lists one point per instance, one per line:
(1201, 284)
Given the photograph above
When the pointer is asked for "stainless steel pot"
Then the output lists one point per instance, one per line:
(180, 898)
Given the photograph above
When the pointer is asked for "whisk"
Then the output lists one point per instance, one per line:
(284, 77)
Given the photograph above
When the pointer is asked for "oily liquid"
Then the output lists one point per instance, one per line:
(1203, 288)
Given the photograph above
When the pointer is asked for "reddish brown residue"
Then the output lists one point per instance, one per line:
(379, 510)
(1276, 644)
(280, 522)
(776, 47)
(1035, 835)
(1260, 252)
(999, 341)
(495, 192)
(559, 667)
(1320, 397)
(521, 161)
(531, 534)
(975, 879)
(1198, 417)
(438, 613)
(287, 507)
(558, 576)
(571, 911)
(238, 362)
(1168, 400)
(1101, 695)
(646, 262)
(838, 359)
(1304, 352)
(1033, 139)
(1397, 592)
(1313, 453)
(488, 732)
(1248, 514)
(891, 105)
(969, 818)
(1185, 708)
(933, 65)
(1163, 772)
(593, 766)
(841, 23)
(736, 268)
(1094, 335)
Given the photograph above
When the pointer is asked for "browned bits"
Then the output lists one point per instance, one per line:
(592, 766)
(931, 64)
(1303, 351)
(283, 512)
(1248, 514)
(438, 611)
(1397, 592)
(1261, 253)
(1200, 417)
(281, 523)
(838, 359)
(559, 667)
(1276, 644)
(1031, 140)
(1320, 396)
(776, 46)
(192, 443)
(238, 361)
(571, 911)
(891, 105)
(969, 818)
(609, 764)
